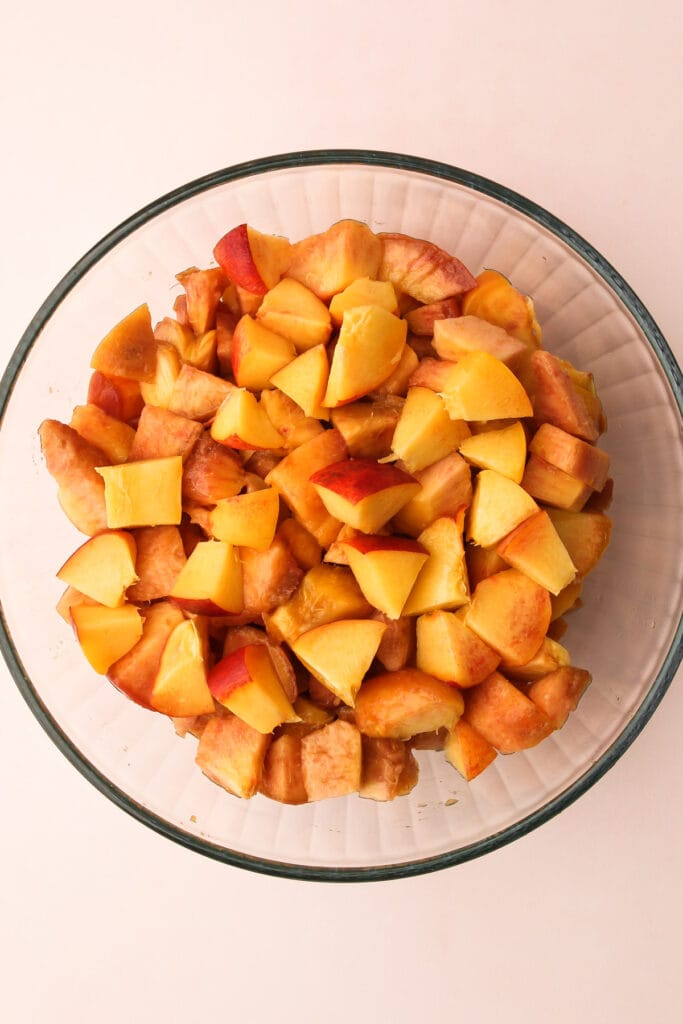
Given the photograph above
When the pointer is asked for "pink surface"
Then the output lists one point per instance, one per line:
(579, 109)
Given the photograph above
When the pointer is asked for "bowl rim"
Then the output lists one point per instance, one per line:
(478, 184)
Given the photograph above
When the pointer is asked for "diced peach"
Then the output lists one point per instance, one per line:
(421, 320)
(557, 401)
(106, 634)
(73, 462)
(232, 754)
(331, 760)
(258, 353)
(210, 582)
(585, 536)
(398, 705)
(363, 493)
(482, 562)
(510, 613)
(102, 568)
(197, 394)
(386, 569)
(248, 520)
(442, 582)
(481, 387)
(301, 543)
(383, 764)
(363, 292)
(254, 261)
(159, 390)
(326, 593)
(498, 506)
(294, 312)
(368, 426)
(494, 299)
(445, 487)
(397, 383)
(241, 422)
(304, 380)
(572, 455)
(553, 486)
(447, 649)
(435, 374)
(69, 599)
(289, 419)
(211, 472)
(327, 263)
(161, 433)
(203, 290)
(159, 558)
(129, 350)
(503, 450)
(504, 716)
(180, 687)
(134, 673)
(368, 350)
(270, 577)
(340, 653)
(550, 656)
(558, 693)
(534, 547)
(282, 777)
(456, 336)
(246, 683)
(116, 396)
(425, 432)
(110, 435)
(468, 751)
(145, 493)
(421, 269)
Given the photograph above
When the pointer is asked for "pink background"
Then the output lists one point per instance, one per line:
(576, 106)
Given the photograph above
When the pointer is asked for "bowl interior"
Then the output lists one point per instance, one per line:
(633, 601)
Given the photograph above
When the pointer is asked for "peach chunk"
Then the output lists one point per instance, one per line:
(445, 487)
(558, 693)
(503, 450)
(254, 261)
(211, 472)
(161, 433)
(455, 337)
(447, 649)
(340, 653)
(145, 493)
(368, 426)
(442, 582)
(383, 764)
(106, 634)
(368, 350)
(498, 506)
(557, 401)
(242, 422)
(107, 433)
(331, 761)
(159, 391)
(327, 263)
(422, 269)
(304, 380)
(534, 547)
(397, 382)
(180, 688)
(425, 432)
(102, 568)
(553, 486)
(292, 311)
(363, 292)
(325, 594)
(258, 353)
(72, 461)
(210, 582)
(232, 754)
(468, 751)
(130, 349)
(282, 778)
(584, 461)
(363, 493)
(248, 520)
(134, 673)
(288, 418)
(421, 320)
(585, 536)
(504, 716)
(399, 705)
(303, 545)
(397, 646)
(510, 613)
(269, 577)
(116, 396)
(385, 568)
(247, 683)
(197, 394)
(203, 290)
(494, 299)
(481, 387)
(160, 557)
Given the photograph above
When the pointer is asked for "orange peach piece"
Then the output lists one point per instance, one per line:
(399, 705)
(162, 433)
(294, 312)
(455, 337)
(135, 672)
(557, 401)
(159, 558)
(498, 506)
(534, 547)
(553, 486)
(269, 577)
(363, 493)
(304, 380)
(327, 263)
(572, 455)
(258, 353)
(496, 300)
(326, 593)
(241, 636)
(367, 427)
(447, 649)
(442, 581)
(180, 688)
(248, 520)
(504, 716)
(482, 562)
(383, 763)
(211, 472)
(481, 387)
(129, 350)
(289, 419)
(170, 332)
(331, 761)
(550, 656)
(397, 646)
(232, 754)
(558, 693)
(210, 582)
(197, 394)
(585, 536)
(510, 613)
(247, 683)
(425, 432)
(145, 493)
(203, 290)
(254, 261)
(363, 292)
(398, 382)
(282, 777)
(107, 433)
(241, 422)
(116, 396)
(73, 463)
(422, 269)
(368, 350)
(468, 751)
(435, 374)
(421, 320)
(301, 543)
(445, 487)
(102, 568)
(386, 569)
(291, 478)
(106, 634)
(159, 390)
(503, 450)
(340, 653)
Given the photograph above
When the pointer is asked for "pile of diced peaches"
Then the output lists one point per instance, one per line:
(337, 507)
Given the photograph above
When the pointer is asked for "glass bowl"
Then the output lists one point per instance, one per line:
(628, 634)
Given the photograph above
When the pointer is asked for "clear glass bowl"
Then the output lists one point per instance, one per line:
(628, 634)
